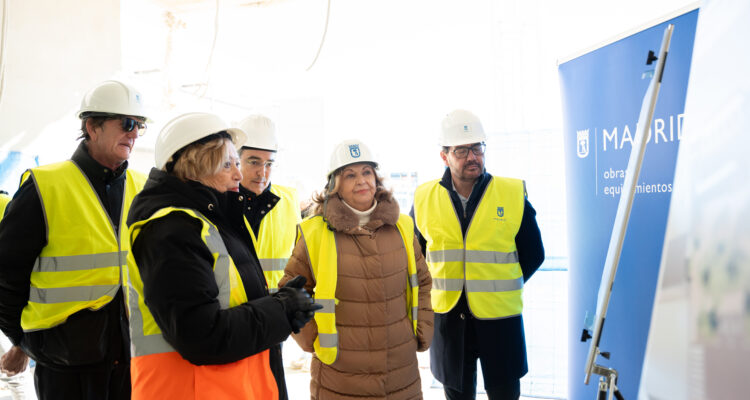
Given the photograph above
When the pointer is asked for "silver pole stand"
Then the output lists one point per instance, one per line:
(607, 383)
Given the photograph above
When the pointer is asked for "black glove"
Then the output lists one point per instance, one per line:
(297, 303)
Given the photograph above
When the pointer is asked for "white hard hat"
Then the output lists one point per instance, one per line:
(261, 132)
(350, 152)
(188, 128)
(113, 97)
(461, 127)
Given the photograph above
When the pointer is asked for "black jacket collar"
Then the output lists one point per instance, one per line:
(92, 168)
(447, 182)
(265, 196)
(476, 195)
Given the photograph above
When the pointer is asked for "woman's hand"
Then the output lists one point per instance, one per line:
(297, 303)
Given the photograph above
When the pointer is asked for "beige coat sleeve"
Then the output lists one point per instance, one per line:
(426, 315)
(299, 264)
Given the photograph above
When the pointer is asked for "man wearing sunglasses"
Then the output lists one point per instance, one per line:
(63, 247)
(482, 242)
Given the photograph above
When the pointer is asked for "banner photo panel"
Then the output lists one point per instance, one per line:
(699, 339)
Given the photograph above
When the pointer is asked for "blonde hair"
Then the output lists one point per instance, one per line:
(319, 199)
(199, 160)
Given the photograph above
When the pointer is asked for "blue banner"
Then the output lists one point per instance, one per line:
(12, 166)
(602, 93)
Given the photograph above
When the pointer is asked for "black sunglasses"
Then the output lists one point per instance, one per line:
(128, 124)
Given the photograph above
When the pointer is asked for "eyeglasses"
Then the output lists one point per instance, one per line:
(128, 124)
(463, 152)
(259, 164)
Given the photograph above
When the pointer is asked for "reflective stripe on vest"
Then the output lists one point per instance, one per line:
(82, 263)
(321, 249)
(277, 234)
(485, 263)
(158, 370)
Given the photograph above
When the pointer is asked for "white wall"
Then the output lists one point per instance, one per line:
(54, 51)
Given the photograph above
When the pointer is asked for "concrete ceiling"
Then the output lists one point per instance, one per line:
(193, 5)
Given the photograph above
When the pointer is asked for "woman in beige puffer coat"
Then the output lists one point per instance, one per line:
(376, 352)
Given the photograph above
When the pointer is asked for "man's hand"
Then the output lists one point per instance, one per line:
(14, 361)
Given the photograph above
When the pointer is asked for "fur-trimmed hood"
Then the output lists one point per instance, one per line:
(343, 219)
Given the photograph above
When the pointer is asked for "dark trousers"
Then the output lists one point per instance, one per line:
(506, 390)
(111, 382)
(510, 391)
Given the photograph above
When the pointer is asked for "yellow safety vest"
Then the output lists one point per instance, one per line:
(81, 266)
(276, 235)
(4, 200)
(321, 248)
(158, 370)
(485, 262)
(145, 334)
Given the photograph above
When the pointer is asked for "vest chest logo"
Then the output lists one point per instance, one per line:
(354, 150)
(500, 214)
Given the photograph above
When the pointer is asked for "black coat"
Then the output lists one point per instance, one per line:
(501, 342)
(180, 290)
